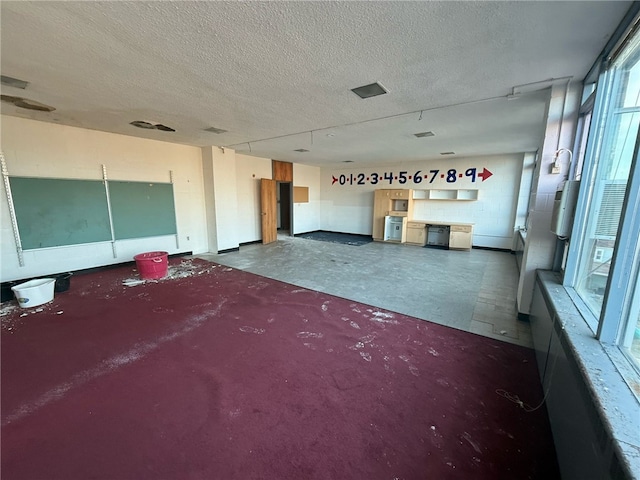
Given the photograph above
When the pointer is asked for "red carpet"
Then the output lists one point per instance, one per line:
(220, 374)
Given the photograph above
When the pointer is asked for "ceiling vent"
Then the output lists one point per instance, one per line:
(151, 126)
(371, 90)
(424, 134)
(215, 130)
(27, 104)
(301, 150)
(447, 153)
(13, 82)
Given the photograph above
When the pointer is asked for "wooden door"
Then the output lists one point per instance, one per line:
(268, 205)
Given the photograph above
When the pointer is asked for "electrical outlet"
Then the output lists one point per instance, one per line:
(555, 170)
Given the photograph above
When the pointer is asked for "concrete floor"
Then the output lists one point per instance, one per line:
(473, 291)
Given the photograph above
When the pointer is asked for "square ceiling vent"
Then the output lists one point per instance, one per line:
(424, 134)
(215, 130)
(371, 90)
(13, 82)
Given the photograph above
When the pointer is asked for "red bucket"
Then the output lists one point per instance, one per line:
(152, 265)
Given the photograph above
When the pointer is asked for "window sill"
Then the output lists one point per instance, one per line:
(604, 370)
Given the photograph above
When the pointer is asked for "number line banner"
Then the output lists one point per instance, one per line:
(418, 178)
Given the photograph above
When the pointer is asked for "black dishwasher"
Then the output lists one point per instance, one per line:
(438, 235)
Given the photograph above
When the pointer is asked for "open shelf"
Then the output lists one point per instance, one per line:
(448, 194)
(467, 195)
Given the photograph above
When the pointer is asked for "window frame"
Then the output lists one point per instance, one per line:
(595, 142)
(623, 275)
(617, 319)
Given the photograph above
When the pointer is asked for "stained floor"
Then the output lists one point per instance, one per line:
(472, 290)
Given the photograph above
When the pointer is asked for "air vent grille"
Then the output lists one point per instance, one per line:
(371, 90)
(215, 130)
(13, 82)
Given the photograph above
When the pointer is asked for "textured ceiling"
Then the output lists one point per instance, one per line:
(277, 75)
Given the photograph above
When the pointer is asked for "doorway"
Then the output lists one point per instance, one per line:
(285, 207)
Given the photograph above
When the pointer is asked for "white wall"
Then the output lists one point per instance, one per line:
(349, 208)
(40, 149)
(225, 192)
(306, 216)
(249, 171)
(522, 210)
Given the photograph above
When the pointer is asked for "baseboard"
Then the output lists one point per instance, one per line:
(332, 231)
(7, 294)
(229, 250)
(493, 249)
(244, 244)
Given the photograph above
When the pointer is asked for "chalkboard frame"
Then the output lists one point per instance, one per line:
(57, 212)
(142, 209)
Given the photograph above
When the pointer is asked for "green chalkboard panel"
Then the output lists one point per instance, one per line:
(142, 209)
(54, 212)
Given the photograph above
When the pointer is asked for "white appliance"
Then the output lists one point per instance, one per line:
(393, 228)
(564, 207)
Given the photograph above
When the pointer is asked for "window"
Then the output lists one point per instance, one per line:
(603, 264)
(615, 136)
(631, 330)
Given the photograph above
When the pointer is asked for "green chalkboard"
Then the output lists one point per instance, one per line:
(54, 212)
(142, 209)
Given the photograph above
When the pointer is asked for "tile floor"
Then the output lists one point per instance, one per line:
(473, 291)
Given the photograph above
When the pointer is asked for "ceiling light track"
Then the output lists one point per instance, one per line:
(387, 117)
(531, 87)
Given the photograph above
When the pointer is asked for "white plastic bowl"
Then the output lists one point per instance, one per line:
(34, 292)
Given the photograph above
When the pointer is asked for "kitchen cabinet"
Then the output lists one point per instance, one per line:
(390, 202)
(460, 237)
(393, 219)
(416, 233)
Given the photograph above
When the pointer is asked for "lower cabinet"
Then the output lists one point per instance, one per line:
(460, 237)
(416, 233)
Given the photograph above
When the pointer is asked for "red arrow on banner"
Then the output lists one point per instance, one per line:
(334, 180)
(485, 174)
